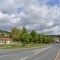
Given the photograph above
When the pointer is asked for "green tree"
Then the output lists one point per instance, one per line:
(39, 38)
(2, 35)
(15, 34)
(42, 39)
(34, 36)
(46, 39)
(24, 36)
(24, 30)
(50, 39)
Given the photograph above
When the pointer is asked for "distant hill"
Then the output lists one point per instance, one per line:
(53, 35)
(4, 33)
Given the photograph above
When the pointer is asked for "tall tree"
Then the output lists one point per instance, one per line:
(24, 36)
(34, 36)
(24, 30)
(39, 38)
(15, 33)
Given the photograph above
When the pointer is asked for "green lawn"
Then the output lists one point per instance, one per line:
(16, 46)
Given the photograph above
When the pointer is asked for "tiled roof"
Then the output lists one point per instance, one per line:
(5, 39)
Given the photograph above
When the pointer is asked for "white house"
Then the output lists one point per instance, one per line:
(56, 39)
(5, 41)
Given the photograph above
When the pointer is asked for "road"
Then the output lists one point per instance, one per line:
(44, 53)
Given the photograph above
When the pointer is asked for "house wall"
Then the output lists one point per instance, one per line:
(5, 42)
(2, 42)
(56, 39)
(8, 42)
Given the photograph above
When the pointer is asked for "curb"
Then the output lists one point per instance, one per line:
(57, 55)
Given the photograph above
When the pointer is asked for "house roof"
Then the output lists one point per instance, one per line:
(5, 39)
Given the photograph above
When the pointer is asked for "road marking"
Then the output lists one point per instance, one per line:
(41, 50)
(23, 58)
(25, 51)
(4, 55)
(37, 53)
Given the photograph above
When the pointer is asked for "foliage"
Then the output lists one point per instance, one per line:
(24, 37)
(4, 33)
(14, 34)
(34, 36)
(24, 30)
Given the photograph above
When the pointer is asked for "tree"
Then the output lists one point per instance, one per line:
(39, 38)
(24, 36)
(46, 39)
(2, 35)
(24, 30)
(34, 36)
(15, 31)
(14, 34)
(50, 39)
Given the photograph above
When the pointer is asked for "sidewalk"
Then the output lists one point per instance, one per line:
(58, 56)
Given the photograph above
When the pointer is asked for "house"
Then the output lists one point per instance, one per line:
(56, 39)
(5, 41)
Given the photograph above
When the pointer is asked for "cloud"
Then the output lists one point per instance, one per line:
(49, 24)
(7, 21)
(40, 15)
(53, 30)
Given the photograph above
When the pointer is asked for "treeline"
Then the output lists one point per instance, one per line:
(24, 37)
(4, 34)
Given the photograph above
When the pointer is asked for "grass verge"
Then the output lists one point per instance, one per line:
(18, 46)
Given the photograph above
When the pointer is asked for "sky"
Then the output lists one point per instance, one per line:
(40, 15)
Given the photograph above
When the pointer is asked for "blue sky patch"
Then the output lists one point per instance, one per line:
(53, 2)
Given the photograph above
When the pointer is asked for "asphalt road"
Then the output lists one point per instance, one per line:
(44, 53)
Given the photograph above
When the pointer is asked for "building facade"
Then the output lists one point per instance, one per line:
(5, 41)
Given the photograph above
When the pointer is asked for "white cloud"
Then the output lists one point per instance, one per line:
(49, 24)
(53, 30)
(31, 13)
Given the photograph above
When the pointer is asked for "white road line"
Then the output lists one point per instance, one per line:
(4, 55)
(25, 51)
(24, 58)
(37, 53)
(41, 50)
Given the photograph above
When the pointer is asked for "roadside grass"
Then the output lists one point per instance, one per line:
(18, 46)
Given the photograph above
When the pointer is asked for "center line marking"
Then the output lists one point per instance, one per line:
(37, 53)
(25, 51)
(4, 55)
(23, 58)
